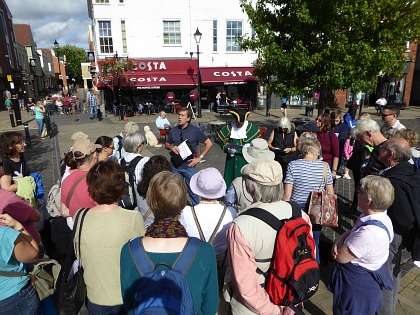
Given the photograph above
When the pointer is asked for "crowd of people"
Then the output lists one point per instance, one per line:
(154, 213)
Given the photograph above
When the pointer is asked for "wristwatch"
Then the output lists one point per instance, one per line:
(201, 156)
(21, 230)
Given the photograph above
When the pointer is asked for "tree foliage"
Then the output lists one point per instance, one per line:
(74, 57)
(326, 45)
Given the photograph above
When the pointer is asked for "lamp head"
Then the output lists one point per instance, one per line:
(197, 36)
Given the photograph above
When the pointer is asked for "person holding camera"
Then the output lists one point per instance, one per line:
(282, 142)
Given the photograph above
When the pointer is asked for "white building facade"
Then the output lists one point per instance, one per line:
(163, 31)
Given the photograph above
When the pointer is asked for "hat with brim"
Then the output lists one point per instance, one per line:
(130, 127)
(267, 173)
(78, 135)
(208, 183)
(257, 150)
(84, 148)
(240, 115)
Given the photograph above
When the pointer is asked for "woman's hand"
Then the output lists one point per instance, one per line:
(10, 221)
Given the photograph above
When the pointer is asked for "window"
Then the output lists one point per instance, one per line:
(101, 1)
(105, 37)
(172, 32)
(124, 36)
(214, 35)
(233, 29)
(6, 37)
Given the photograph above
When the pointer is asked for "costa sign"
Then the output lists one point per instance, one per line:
(151, 65)
(149, 79)
(231, 73)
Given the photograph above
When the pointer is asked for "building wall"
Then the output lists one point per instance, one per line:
(144, 29)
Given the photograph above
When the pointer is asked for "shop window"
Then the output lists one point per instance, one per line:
(233, 29)
(102, 1)
(105, 37)
(172, 32)
(215, 35)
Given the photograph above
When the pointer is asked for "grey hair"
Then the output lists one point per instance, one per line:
(86, 160)
(132, 141)
(309, 144)
(401, 153)
(263, 193)
(285, 122)
(363, 126)
(378, 190)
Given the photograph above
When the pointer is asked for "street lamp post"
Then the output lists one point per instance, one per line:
(57, 45)
(119, 91)
(197, 37)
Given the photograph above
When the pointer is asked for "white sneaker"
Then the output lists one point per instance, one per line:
(337, 176)
(346, 176)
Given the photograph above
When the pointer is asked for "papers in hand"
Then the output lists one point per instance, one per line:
(184, 150)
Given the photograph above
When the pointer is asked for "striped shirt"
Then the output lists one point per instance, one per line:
(306, 176)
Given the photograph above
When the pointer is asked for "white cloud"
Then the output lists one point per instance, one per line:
(63, 20)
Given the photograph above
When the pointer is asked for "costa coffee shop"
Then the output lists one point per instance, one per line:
(152, 79)
(238, 82)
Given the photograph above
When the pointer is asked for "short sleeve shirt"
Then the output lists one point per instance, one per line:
(15, 168)
(370, 244)
(161, 122)
(9, 285)
(191, 133)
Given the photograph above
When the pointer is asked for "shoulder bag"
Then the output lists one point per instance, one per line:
(323, 205)
(73, 288)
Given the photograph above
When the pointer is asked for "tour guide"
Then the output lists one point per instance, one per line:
(232, 138)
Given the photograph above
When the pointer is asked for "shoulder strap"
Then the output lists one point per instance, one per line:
(119, 144)
(139, 256)
(213, 235)
(133, 164)
(147, 214)
(200, 230)
(73, 188)
(187, 256)
(378, 224)
(85, 211)
(271, 219)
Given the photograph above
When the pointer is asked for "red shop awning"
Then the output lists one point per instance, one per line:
(239, 75)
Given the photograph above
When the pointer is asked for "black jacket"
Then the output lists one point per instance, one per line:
(405, 210)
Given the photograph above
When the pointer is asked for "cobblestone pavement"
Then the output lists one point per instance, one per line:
(44, 156)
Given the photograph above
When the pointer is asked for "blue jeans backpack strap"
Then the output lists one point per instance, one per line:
(185, 259)
(378, 224)
(141, 259)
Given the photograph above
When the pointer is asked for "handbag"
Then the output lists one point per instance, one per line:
(43, 273)
(323, 205)
(73, 288)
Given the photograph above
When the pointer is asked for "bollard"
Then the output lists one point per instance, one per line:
(16, 108)
(12, 119)
(27, 135)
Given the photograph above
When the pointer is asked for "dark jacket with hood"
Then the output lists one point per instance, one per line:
(405, 210)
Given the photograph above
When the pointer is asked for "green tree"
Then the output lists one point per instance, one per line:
(326, 45)
(74, 57)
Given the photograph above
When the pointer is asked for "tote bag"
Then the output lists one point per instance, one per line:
(323, 205)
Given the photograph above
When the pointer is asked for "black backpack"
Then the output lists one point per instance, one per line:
(129, 200)
(120, 145)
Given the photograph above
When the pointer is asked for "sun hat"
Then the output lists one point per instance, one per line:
(85, 147)
(130, 127)
(257, 150)
(78, 135)
(267, 173)
(208, 183)
(309, 127)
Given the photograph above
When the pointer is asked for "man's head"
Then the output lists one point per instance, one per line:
(162, 114)
(390, 114)
(84, 152)
(184, 116)
(368, 131)
(133, 142)
(394, 150)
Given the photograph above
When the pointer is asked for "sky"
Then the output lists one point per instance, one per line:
(66, 21)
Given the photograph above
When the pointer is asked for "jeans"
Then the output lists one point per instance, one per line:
(95, 309)
(186, 172)
(93, 109)
(390, 297)
(316, 231)
(24, 302)
(40, 123)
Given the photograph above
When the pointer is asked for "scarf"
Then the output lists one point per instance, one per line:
(238, 133)
(166, 228)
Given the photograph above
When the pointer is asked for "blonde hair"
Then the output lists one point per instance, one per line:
(410, 135)
(167, 195)
(309, 144)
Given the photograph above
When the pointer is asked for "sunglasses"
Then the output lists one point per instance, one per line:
(386, 115)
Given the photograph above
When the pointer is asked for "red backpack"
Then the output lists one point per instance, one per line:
(293, 276)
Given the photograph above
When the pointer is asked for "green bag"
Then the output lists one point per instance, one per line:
(43, 274)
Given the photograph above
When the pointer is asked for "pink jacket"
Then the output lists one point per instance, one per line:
(348, 150)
